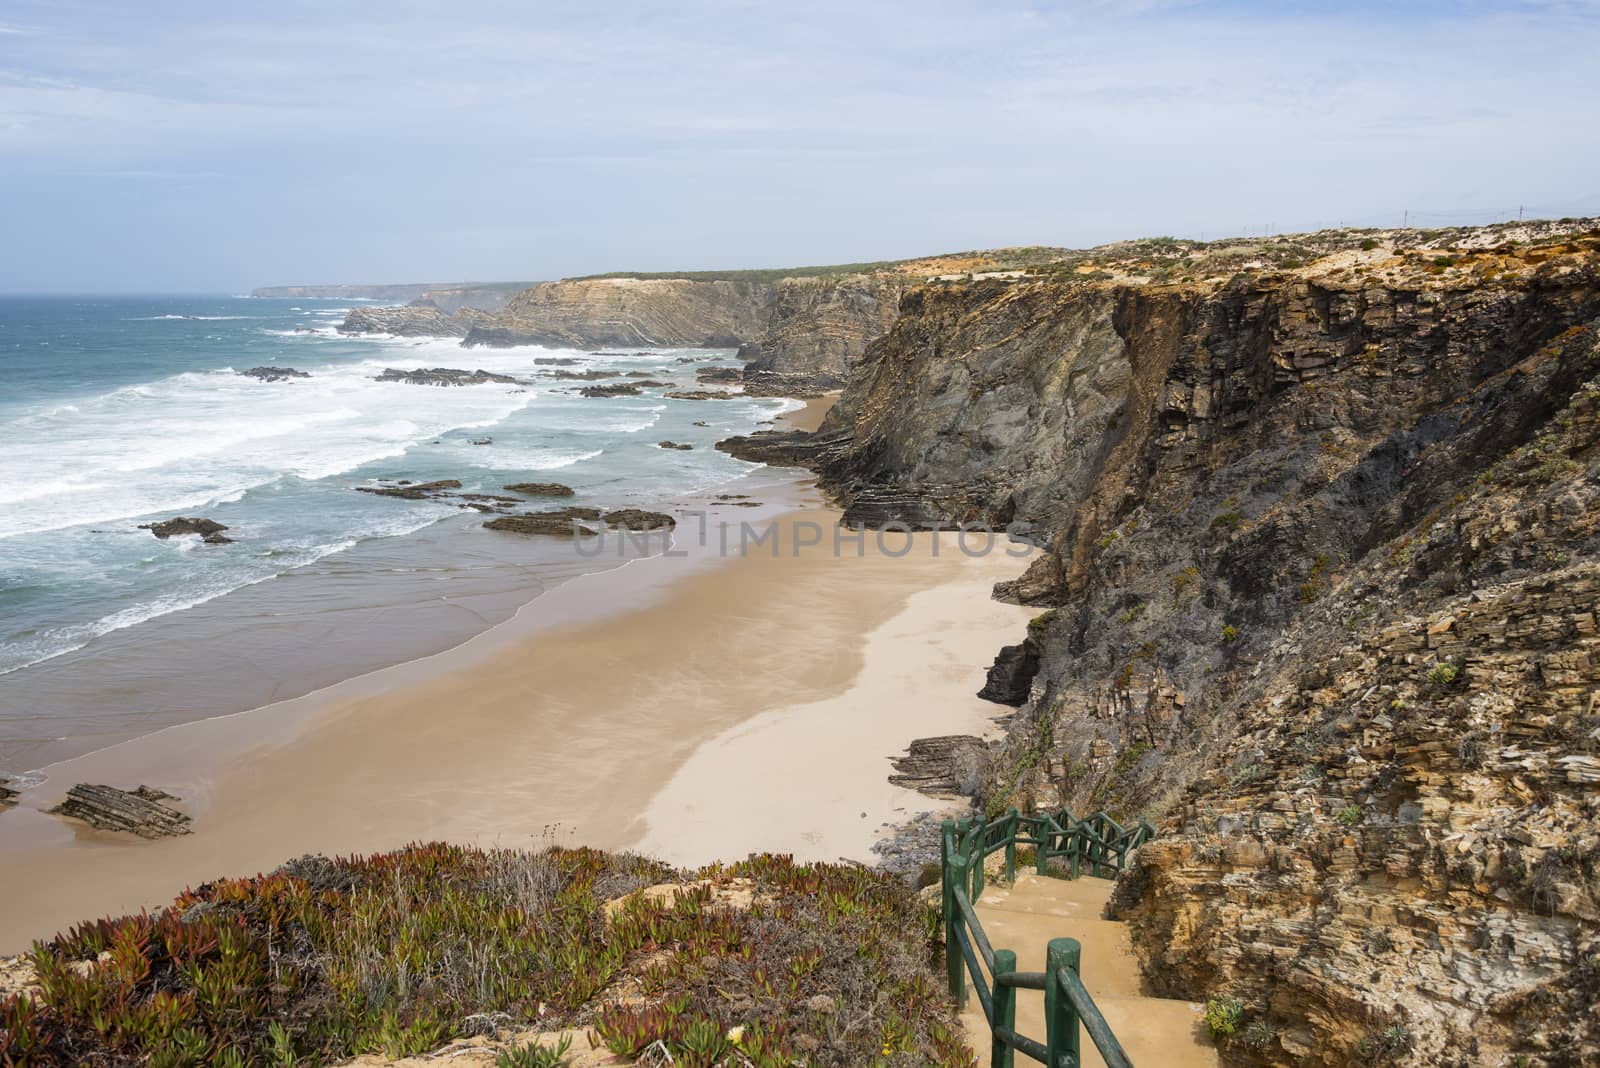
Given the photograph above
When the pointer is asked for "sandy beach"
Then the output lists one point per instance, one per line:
(749, 703)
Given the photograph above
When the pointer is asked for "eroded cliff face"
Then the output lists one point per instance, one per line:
(819, 327)
(653, 312)
(1322, 577)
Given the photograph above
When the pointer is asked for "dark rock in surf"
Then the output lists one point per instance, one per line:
(674, 445)
(563, 523)
(209, 530)
(540, 489)
(442, 376)
(611, 391)
(139, 812)
(639, 519)
(413, 491)
(274, 374)
(583, 376)
(698, 394)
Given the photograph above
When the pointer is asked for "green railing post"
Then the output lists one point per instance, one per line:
(1077, 850)
(1011, 844)
(952, 914)
(1041, 859)
(1005, 1009)
(952, 933)
(980, 834)
(1060, 1018)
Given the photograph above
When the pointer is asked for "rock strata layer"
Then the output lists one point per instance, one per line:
(141, 812)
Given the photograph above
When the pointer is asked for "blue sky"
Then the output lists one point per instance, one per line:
(217, 146)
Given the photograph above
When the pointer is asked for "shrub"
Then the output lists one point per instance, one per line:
(1223, 1016)
(1388, 1043)
(325, 959)
(1349, 816)
(1230, 633)
(1369, 244)
(535, 1056)
(1442, 675)
(1131, 756)
(1227, 521)
(1259, 1034)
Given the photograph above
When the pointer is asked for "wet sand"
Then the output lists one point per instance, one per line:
(567, 729)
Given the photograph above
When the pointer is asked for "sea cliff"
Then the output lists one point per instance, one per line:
(1318, 595)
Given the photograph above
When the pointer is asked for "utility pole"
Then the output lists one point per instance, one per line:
(1405, 218)
(1519, 213)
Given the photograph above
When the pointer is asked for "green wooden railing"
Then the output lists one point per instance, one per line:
(1098, 845)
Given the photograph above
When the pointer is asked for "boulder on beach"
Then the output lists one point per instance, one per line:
(947, 767)
(619, 390)
(139, 812)
(540, 489)
(8, 796)
(561, 523)
(639, 519)
(209, 530)
(1011, 676)
(412, 491)
(274, 374)
(441, 376)
(673, 445)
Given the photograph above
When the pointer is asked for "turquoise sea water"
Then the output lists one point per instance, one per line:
(121, 411)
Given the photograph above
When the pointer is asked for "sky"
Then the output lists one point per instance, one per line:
(217, 146)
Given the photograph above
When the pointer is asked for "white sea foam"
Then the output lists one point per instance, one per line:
(202, 318)
(195, 439)
(52, 642)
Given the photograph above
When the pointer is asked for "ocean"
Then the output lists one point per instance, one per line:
(121, 411)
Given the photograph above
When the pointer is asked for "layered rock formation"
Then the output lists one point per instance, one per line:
(411, 321)
(1322, 559)
(655, 312)
(819, 327)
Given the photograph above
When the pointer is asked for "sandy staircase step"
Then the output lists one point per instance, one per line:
(1155, 1032)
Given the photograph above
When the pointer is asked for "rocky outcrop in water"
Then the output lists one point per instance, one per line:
(274, 374)
(208, 530)
(413, 491)
(141, 812)
(678, 445)
(639, 519)
(620, 389)
(1321, 551)
(540, 489)
(442, 376)
(564, 523)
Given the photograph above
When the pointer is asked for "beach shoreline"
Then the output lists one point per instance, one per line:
(589, 730)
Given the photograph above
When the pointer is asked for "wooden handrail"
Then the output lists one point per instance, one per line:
(963, 848)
